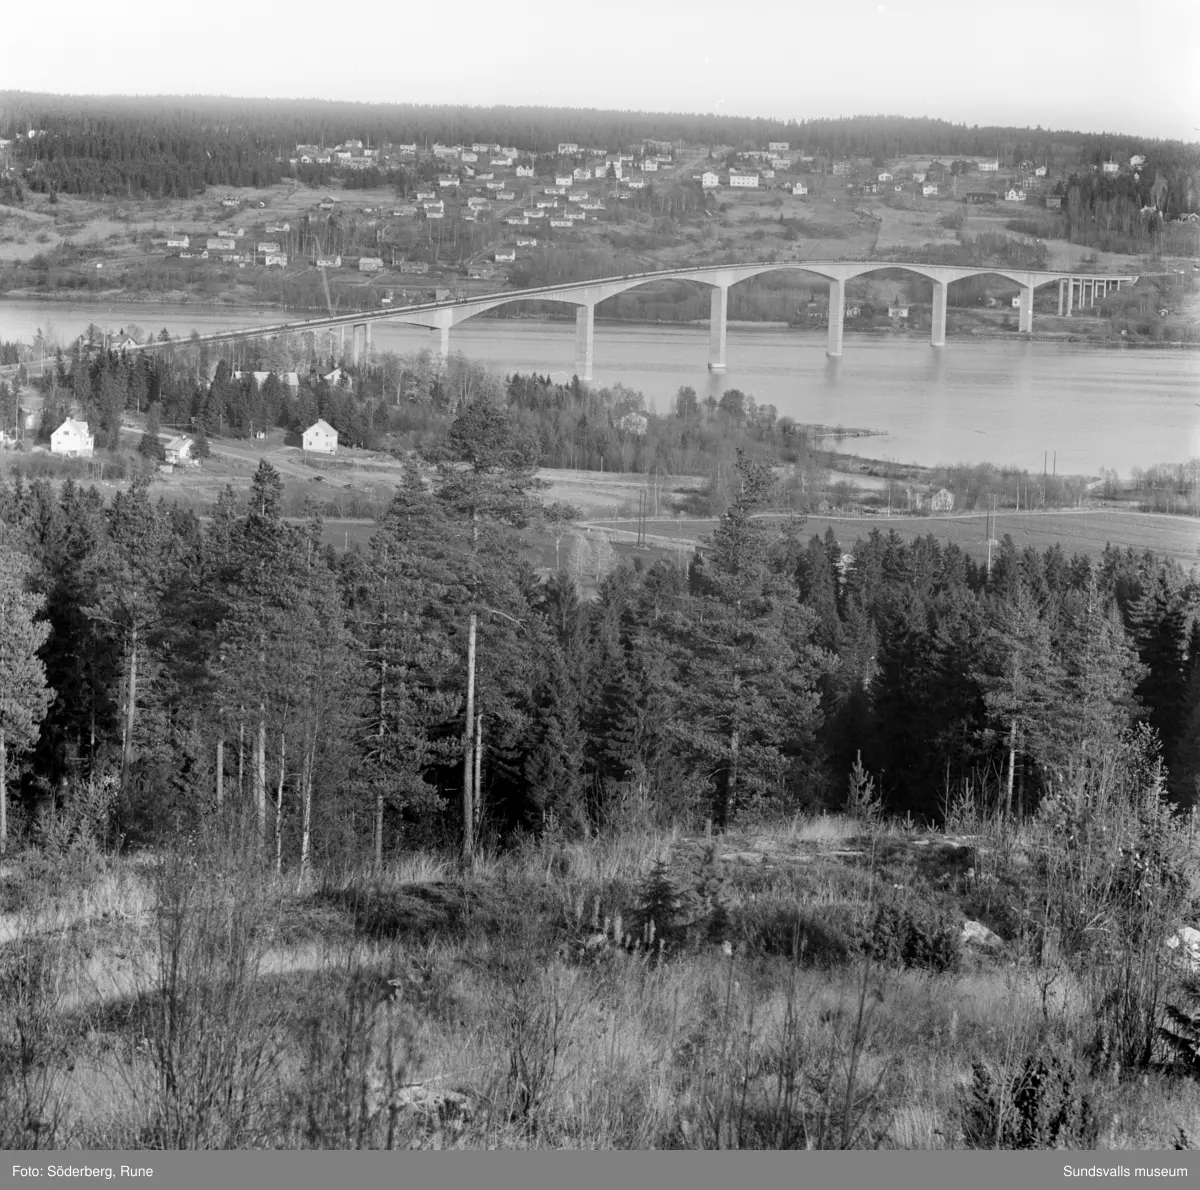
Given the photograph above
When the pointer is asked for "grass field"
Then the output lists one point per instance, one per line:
(808, 984)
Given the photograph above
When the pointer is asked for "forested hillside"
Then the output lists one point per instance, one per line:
(177, 145)
(190, 665)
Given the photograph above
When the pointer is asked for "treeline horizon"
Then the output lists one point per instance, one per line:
(179, 145)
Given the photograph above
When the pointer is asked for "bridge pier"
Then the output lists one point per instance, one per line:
(1060, 296)
(937, 334)
(358, 336)
(1025, 314)
(367, 343)
(439, 341)
(718, 311)
(585, 331)
(1070, 295)
(837, 312)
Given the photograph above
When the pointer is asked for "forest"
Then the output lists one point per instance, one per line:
(172, 146)
(191, 663)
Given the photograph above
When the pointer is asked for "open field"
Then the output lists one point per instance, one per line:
(570, 994)
(1086, 532)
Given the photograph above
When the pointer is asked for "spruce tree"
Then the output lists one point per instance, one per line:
(24, 695)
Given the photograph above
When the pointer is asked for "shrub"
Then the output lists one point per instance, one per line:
(905, 937)
(1041, 1107)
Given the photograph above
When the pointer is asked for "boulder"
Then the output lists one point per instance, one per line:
(975, 933)
(1185, 942)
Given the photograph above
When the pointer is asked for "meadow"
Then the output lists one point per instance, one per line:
(821, 982)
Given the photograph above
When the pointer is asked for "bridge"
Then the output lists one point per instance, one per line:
(440, 317)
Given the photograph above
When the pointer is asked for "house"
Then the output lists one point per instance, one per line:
(897, 311)
(122, 342)
(320, 438)
(439, 205)
(470, 158)
(799, 189)
(267, 246)
(919, 175)
(779, 146)
(501, 161)
(229, 203)
(744, 181)
(326, 204)
(885, 176)
(506, 195)
(72, 439)
(1110, 167)
(650, 166)
(506, 256)
(942, 500)
(567, 147)
(709, 180)
(276, 227)
(1014, 195)
(989, 167)
(432, 213)
(447, 180)
(766, 173)
(929, 190)
(478, 203)
(414, 266)
(178, 242)
(329, 262)
(517, 221)
(633, 423)
(279, 259)
(370, 264)
(530, 243)
(1137, 161)
(561, 223)
(1054, 202)
(1040, 172)
(853, 311)
(980, 197)
(524, 171)
(179, 450)
(563, 179)
(220, 244)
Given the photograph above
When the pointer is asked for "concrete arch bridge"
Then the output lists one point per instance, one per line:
(441, 317)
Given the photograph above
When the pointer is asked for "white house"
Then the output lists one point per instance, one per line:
(563, 179)
(291, 379)
(179, 450)
(633, 423)
(989, 167)
(178, 241)
(275, 258)
(1015, 195)
(524, 171)
(220, 244)
(929, 190)
(320, 438)
(1137, 160)
(745, 181)
(709, 180)
(567, 146)
(897, 311)
(266, 246)
(506, 256)
(1110, 167)
(329, 262)
(72, 439)
(650, 165)
(1040, 172)
(885, 176)
(799, 189)
(779, 146)
(942, 501)
(370, 264)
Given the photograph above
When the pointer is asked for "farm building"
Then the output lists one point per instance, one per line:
(942, 501)
(179, 450)
(73, 439)
(321, 438)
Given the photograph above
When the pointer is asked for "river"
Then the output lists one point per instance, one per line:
(975, 400)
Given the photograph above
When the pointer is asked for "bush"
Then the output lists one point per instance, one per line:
(901, 936)
(1041, 1107)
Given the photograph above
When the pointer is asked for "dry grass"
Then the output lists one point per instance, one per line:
(419, 1007)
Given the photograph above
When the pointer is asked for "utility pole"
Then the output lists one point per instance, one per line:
(468, 775)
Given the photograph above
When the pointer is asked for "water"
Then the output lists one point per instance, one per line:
(1005, 402)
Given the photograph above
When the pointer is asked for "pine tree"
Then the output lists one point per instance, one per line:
(24, 696)
(150, 446)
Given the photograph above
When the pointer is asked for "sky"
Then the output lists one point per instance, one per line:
(1091, 65)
